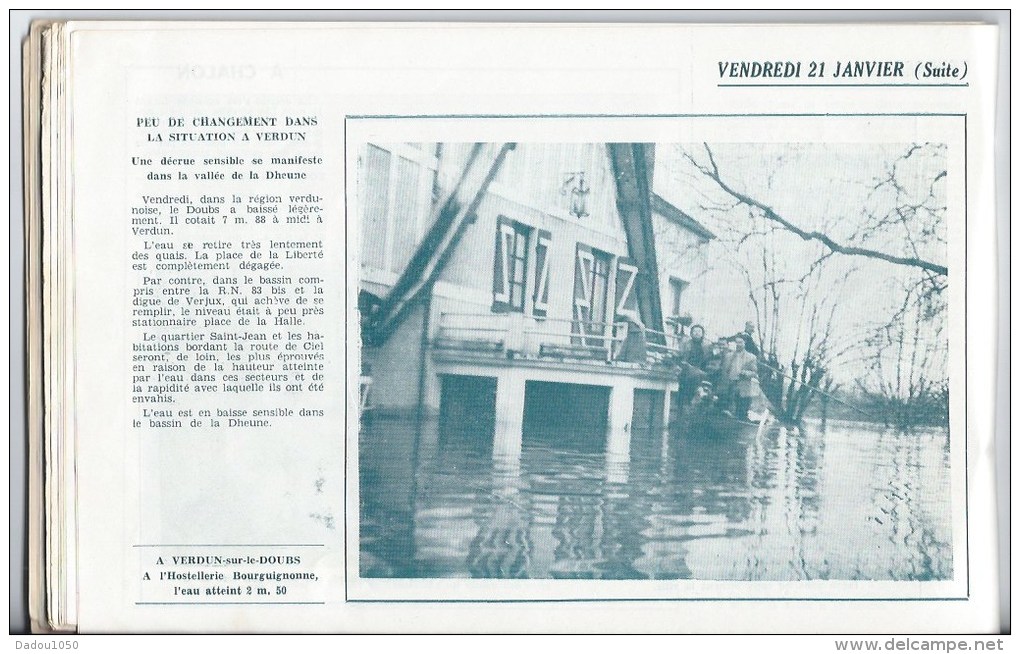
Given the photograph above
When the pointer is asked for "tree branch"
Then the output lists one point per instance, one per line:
(769, 213)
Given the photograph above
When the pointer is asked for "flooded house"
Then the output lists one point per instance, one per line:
(519, 306)
(529, 290)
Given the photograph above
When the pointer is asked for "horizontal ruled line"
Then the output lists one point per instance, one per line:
(221, 603)
(586, 600)
(235, 545)
(868, 114)
(834, 85)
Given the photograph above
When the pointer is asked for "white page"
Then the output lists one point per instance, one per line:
(283, 498)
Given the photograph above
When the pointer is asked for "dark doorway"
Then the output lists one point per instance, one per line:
(566, 416)
(467, 413)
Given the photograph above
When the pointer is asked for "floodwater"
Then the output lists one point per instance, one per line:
(849, 501)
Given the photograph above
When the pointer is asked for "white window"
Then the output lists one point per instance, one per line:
(510, 265)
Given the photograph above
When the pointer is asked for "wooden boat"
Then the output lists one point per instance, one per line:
(704, 416)
(712, 422)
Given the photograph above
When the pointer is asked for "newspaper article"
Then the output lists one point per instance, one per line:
(230, 328)
(439, 328)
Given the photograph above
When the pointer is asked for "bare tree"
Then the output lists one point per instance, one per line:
(905, 362)
(795, 322)
(904, 212)
(796, 268)
(906, 354)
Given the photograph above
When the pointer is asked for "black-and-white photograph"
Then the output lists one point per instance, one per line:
(537, 322)
(678, 360)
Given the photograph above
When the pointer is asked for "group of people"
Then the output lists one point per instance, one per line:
(724, 371)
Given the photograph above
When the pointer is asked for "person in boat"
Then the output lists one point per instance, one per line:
(714, 363)
(748, 337)
(740, 369)
(694, 355)
(696, 350)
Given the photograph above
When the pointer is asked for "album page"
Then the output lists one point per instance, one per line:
(540, 328)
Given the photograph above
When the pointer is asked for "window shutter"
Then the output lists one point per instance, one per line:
(583, 262)
(541, 296)
(626, 291)
(501, 265)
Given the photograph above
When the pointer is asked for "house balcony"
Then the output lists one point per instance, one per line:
(528, 356)
(513, 339)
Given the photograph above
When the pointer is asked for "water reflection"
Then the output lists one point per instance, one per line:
(851, 502)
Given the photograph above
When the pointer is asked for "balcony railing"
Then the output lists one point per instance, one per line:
(517, 336)
(662, 346)
(476, 332)
(575, 339)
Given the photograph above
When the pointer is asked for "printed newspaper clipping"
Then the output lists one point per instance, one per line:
(520, 328)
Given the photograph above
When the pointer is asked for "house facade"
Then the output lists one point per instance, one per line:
(522, 280)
